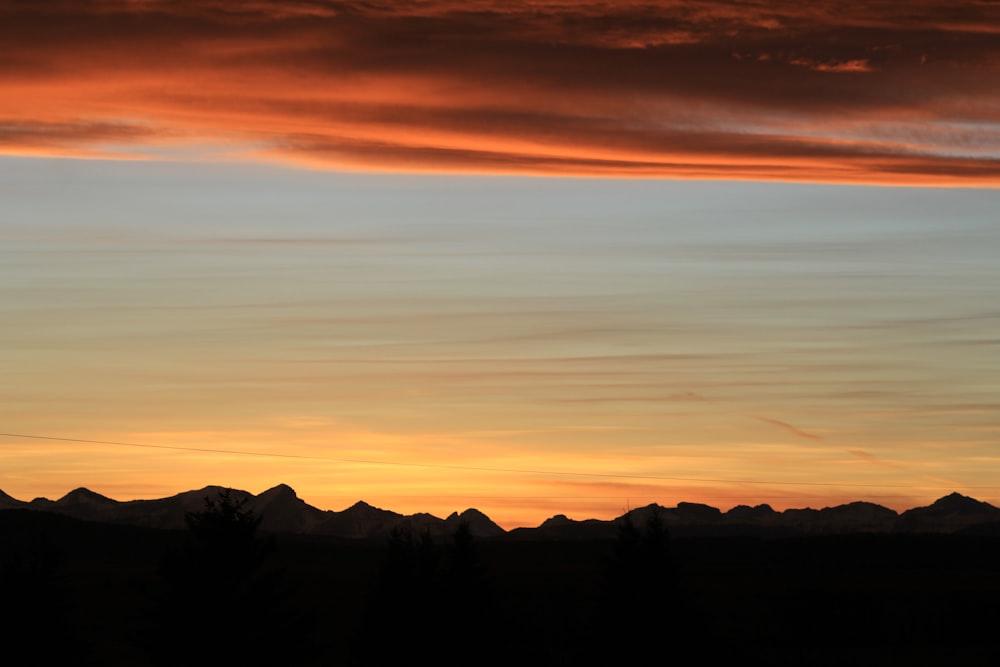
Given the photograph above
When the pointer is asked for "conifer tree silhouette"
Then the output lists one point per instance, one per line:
(223, 599)
(37, 606)
(427, 593)
(402, 604)
(468, 603)
(639, 598)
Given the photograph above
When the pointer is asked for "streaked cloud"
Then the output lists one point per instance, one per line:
(857, 65)
(845, 92)
(789, 428)
(868, 457)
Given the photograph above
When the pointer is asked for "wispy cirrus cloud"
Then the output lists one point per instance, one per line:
(790, 429)
(868, 457)
(74, 138)
(759, 90)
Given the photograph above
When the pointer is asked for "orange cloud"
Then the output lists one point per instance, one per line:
(631, 89)
(856, 65)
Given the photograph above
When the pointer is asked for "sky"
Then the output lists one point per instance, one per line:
(535, 258)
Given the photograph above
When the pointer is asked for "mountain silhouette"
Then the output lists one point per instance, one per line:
(6, 502)
(757, 514)
(478, 523)
(283, 511)
(359, 520)
(950, 513)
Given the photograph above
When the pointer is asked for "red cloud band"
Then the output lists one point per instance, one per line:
(847, 93)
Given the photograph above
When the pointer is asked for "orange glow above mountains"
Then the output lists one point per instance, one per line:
(840, 92)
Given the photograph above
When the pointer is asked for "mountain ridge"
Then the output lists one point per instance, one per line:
(282, 511)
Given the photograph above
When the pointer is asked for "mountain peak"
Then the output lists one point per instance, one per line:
(83, 495)
(280, 491)
(762, 512)
(698, 512)
(956, 502)
(949, 513)
(361, 505)
(954, 497)
(479, 524)
(557, 520)
(363, 509)
(282, 510)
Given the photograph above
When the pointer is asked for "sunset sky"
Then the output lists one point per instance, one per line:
(535, 258)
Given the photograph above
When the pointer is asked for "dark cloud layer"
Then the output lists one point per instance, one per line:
(841, 91)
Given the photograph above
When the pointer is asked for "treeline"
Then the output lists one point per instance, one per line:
(224, 593)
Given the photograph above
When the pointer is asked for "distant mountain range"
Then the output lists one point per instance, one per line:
(282, 511)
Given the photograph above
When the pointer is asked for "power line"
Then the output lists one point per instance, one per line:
(442, 466)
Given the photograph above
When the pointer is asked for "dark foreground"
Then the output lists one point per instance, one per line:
(94, 594)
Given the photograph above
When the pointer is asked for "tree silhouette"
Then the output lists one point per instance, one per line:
(36, 625)
(411, 565)
(425, 593)
(468, 605)
(223, 598)
(639, 598)
(466, 583)
(402, 603)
